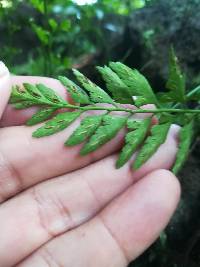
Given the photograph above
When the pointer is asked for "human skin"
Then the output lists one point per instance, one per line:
(59, 209)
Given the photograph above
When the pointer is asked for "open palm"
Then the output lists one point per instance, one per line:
(59, 209)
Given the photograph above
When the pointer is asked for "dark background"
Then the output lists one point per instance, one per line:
(51, 37)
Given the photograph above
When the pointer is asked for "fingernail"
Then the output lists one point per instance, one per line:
(3, 70)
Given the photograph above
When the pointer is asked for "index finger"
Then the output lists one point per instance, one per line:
(4, 87)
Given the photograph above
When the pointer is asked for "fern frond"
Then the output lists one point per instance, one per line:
(126, 86)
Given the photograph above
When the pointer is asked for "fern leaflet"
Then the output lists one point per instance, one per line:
(109, 128)
(185, 136)
(152, 143)
(137, 134)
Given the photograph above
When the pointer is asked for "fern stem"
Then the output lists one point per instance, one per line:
(189, 95)
(143, 110)
(193, 92)
(133, 111)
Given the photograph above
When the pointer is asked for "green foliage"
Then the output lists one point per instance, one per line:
(119, 90)
(49, 94)
(137, 134)
(40, 116)
(194, 94)
(24, 104)
(176, 81)
(138, 85)
(57, 124)
(41, 33)
(31, 95)
(77, 94)
(56, 33)
(157, 137)
(39, 5)
(107, 130)
(185, 136)
(86, 129)
(97, 95)
(96, 130)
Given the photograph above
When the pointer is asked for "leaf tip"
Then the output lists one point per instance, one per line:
(136, 165)
(118, 164)
(29, 123)
(84, 151)
(36, 134)
(68, 143)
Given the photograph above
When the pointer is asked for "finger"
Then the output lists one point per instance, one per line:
(41, 159)
(56, 206)
(120, 233)
(12, 117)
(26, 161)
(146, 209)
(4, 87)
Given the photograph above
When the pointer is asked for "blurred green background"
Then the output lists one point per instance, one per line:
(48, 38)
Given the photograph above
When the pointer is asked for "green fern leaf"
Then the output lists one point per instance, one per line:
(49, 94)
(30, 95)
(97, 94)
(77, 94)
(137, 83)
(133, 139)
(24, 104)
(32, 90)
(185, 139)
(140, 101)
(57, 124)
(110, 127)
(152, 143)
(19, 94)
(179, 119)
(176, 80)
(165, 99)
(87, 128)
(119, 90)
(40, 116)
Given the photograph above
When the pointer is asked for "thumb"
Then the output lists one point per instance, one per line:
(5, 87)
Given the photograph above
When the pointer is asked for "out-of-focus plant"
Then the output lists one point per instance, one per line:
(47, 32)
(7, 10)
(44, 37)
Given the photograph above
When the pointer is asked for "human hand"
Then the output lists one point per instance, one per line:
(61, 209)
